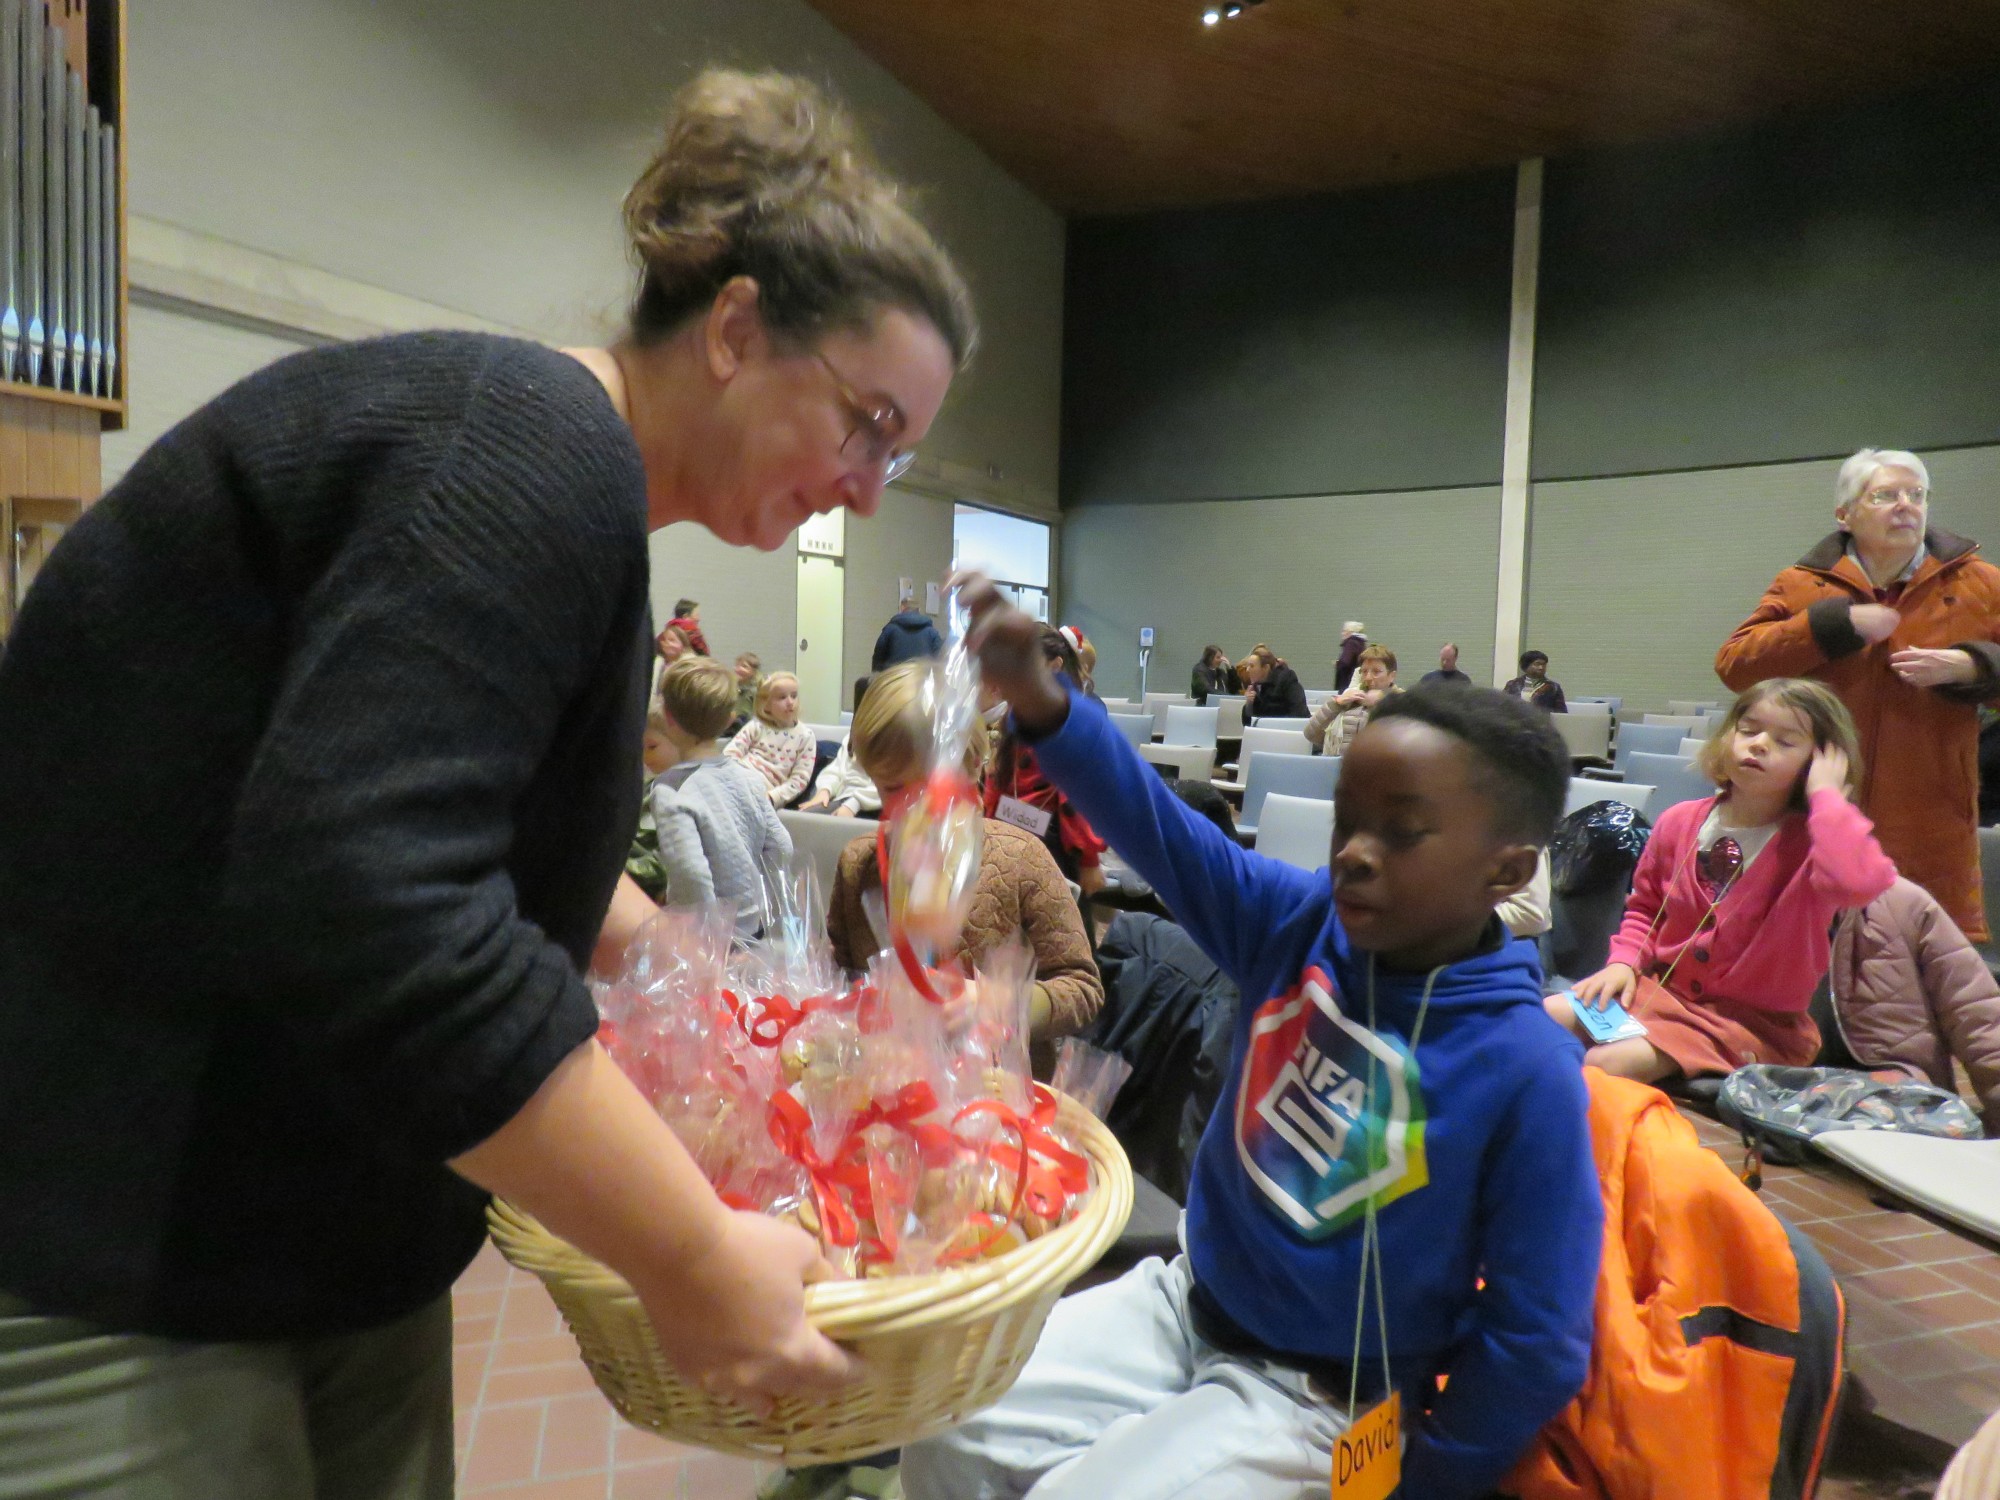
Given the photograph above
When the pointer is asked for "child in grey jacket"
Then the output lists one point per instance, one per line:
(717, 829)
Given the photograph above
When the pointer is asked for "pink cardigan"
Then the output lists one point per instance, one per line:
(1766, 946)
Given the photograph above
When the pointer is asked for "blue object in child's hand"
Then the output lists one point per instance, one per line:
(1614, 1023)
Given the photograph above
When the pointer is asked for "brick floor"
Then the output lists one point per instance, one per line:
(1923, 1300)
(531, 1425)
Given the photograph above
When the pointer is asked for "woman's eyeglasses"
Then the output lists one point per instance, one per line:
(871, 441)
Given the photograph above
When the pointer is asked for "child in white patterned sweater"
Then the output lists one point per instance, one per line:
(774, 743)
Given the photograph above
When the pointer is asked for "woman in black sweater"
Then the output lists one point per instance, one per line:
(1213, 674)
(378, 615)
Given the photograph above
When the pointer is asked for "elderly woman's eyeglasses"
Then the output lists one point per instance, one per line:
(871, 440)
(1882, 499)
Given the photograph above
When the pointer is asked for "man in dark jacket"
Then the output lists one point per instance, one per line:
(1273, 688)
(909, 634)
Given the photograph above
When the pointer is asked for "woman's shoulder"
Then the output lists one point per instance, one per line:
(1018, 854)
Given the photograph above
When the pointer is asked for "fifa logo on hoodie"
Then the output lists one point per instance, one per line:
(1312, 1133)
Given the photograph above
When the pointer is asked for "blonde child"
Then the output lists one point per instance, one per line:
(716, 827)
(1020, 890)
(774, 743)
(1726, 932)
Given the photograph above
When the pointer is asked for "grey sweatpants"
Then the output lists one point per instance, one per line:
(116, 1416)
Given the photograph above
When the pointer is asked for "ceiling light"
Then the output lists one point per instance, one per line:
(1210, 17)
(1232, 11)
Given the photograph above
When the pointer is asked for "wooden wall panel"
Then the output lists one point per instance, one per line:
(48, 450)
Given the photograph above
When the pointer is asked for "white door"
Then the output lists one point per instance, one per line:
(822, 613)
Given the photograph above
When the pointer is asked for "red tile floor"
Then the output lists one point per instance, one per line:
(531, 1424)
(1923, 1353)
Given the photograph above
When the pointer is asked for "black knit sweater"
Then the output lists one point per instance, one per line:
(319, 739)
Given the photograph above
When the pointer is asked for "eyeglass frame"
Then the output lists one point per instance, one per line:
(873, 420)
(1917, 494)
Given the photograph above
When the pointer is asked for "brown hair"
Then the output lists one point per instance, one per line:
(765, 687)
(1825, 715)
(763, 175)
(749, 657)
(1378, 653)
(699, 694)
(1267, 656)
(891, 733)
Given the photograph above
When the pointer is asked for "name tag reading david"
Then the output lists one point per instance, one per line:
(1024, 815)
(1368, 1457)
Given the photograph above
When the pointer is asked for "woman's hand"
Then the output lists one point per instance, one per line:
(1921, 668)
(815, 802)
(1008, 644)
(1612, 982)
(1828, 771)
(1874, 622)
(734, 1317)
(1091, 879)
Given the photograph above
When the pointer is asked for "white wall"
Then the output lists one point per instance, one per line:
(475, 155)
(909, 537)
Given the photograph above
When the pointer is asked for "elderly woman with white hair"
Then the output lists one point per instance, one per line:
(1901, 619)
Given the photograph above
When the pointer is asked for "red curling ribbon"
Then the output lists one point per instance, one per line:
(791, 1132)
(945, 787)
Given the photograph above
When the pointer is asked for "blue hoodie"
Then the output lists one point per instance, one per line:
(1483, 1132)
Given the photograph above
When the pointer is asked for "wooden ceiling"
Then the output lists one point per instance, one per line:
(1107, 106)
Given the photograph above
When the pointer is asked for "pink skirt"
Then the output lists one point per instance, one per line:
(1700, 1038)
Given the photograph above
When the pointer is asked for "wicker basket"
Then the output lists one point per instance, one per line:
(935, 1348)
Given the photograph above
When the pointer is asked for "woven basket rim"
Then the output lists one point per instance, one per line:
(855, 1308)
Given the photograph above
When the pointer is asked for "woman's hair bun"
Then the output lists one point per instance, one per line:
(765, 175)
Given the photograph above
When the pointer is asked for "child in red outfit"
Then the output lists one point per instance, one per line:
(1726, 933)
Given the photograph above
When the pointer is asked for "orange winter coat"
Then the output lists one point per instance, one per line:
(1919, 746)
(1698, 1309)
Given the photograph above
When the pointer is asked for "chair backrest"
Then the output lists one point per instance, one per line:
(1184, 762)
(1297, 830)
(1281, 723)
(1229, 715)
(1261, 737)
(846, 717)
(1138, 728)
(1157, 705)
(1695, 706)
(1288, 775)
(1120, 705)
(1686, 723)
(1317, 696)
(1656, 739)
(837, 733)
(1185, 724)
(1587, 735)
(1584, 790)
(1671, 778)
(1614, 704)
(821, 837)
(1588, 706)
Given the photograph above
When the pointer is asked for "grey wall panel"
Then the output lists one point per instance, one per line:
(1794, 290)
(1417, 569)
(1340, 344)
(1634, 582)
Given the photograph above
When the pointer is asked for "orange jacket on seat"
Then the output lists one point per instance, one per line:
(1716, 1361)
(1919, 746)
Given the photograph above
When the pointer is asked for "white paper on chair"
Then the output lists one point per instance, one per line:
(1959, 1181)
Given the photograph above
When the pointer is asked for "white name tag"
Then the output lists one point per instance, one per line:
(1024, 815)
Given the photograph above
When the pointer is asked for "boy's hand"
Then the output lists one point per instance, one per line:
(1008, 644)
(1612, 982)
(1828, 771)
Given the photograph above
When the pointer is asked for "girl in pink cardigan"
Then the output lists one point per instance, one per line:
(1726, 932)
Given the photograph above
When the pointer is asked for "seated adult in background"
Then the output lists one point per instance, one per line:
(1345, 713)
(1536, 685)
(1447, 668)
(1019, 890)
(1911, 995)
(1271, 689)
(910, 634)
(687, 615)
(1213, 674)
(1353, 641)
(1900, 618)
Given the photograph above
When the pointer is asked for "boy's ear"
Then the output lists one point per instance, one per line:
(1512, 868)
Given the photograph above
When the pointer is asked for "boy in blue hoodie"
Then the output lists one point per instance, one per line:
(1391, 1047)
